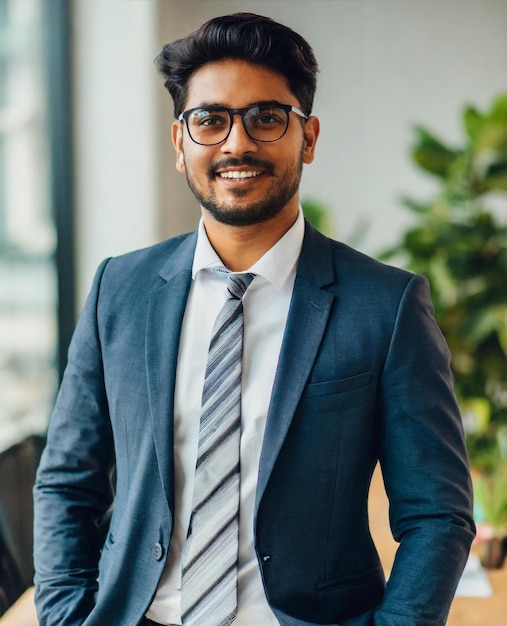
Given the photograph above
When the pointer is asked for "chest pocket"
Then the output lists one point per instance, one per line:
(331, 395)
(330, 387)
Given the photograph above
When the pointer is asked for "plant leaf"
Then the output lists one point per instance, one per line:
(472, 121)
(431, 154)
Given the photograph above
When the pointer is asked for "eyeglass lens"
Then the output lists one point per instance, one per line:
(263, 123)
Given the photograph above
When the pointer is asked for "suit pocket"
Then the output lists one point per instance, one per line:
(363, 577)
(353, 596)
(332, 387)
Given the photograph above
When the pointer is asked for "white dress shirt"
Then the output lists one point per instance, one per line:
(265, 305)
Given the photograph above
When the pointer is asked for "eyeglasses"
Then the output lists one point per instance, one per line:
(209, 126)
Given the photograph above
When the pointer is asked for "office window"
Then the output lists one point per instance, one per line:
(29, 321)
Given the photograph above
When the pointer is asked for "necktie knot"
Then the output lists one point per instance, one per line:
(237, 284)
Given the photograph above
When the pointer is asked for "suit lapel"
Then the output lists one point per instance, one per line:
(306, 323)
(163, 324)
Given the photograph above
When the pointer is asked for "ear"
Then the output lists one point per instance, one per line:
(312, 129)
(177, 138)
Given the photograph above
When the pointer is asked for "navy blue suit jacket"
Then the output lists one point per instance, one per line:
(363, 376)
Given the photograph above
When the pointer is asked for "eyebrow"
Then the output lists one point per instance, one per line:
(225, 106)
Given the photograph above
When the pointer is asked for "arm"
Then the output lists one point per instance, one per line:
(425, 469)
(72, 491)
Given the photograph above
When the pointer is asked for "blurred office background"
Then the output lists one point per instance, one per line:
(87, 167)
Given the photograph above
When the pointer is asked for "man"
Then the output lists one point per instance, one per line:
(331, 361)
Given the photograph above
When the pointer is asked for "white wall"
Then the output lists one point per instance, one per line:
(115, 92)
(385, 65)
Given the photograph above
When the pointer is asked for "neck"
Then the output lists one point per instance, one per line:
(239, 247)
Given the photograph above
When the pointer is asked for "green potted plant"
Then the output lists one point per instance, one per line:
(459, 241)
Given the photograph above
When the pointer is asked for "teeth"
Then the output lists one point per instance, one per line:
(239, 175)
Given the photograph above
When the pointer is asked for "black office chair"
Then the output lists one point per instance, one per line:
(18, 465)
(12, 584)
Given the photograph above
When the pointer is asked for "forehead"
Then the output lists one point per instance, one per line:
(236, 83)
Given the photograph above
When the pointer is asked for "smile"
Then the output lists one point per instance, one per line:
(240, 175)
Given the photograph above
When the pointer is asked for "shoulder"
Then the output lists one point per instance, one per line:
(128, 279)
(348, 268)
(145, 266)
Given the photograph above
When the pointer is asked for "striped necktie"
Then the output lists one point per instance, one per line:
(210, 564)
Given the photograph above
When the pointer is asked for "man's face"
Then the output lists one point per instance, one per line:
(241, 181)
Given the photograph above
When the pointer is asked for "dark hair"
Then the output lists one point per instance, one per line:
(253, 38)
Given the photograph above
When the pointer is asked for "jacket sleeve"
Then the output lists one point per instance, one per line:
(73, 489)
(425, 468)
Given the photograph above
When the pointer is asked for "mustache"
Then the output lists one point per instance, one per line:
(249, 161)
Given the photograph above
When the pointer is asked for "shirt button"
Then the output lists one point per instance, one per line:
(266, 558)
(159, 551)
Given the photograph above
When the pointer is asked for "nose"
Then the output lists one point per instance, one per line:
(238, 140)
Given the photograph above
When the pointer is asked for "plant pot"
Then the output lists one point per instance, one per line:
(492, 552)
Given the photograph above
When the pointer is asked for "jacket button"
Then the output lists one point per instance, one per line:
(159, 551)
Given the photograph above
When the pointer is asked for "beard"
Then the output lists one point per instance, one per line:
(280, 192)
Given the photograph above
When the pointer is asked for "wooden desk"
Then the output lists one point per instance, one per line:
(22, 613)
(465, 611)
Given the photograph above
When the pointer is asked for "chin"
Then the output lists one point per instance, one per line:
(247, 216)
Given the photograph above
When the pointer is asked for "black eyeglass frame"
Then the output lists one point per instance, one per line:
(242, 112)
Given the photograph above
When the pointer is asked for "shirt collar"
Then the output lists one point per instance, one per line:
(275, 265)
